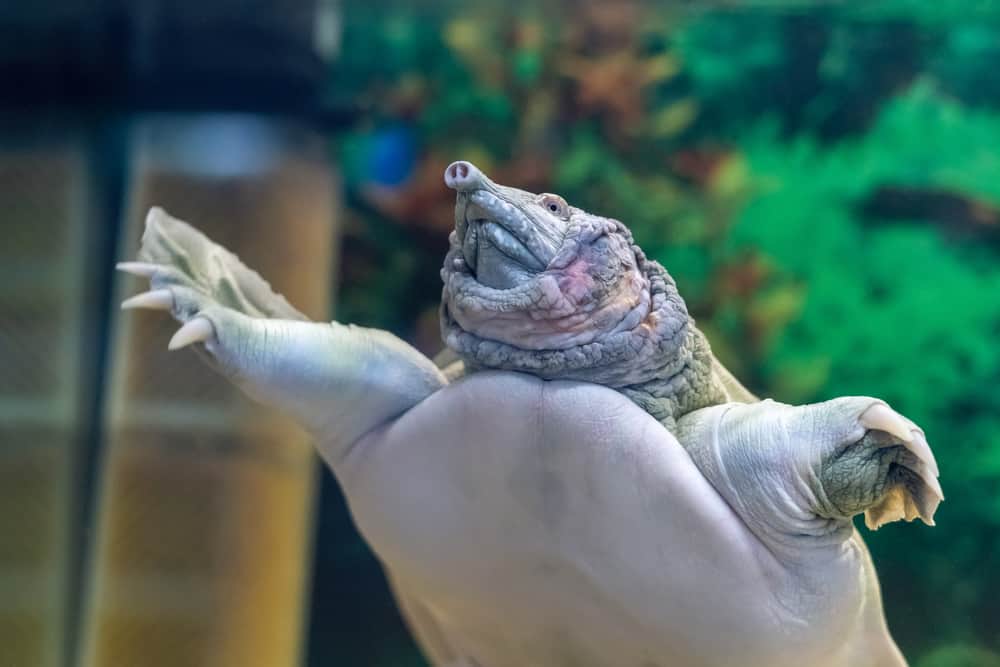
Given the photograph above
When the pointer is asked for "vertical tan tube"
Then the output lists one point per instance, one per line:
(202, 549)
(45, 282)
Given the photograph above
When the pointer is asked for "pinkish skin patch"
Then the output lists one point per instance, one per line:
(576, 283)
(554, 304)
(568, 315)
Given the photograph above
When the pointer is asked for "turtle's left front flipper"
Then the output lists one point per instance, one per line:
(806, 470)
(339, 381)
(889, 473)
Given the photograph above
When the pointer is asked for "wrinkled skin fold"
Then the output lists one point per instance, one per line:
(533, 284)
(532, 522)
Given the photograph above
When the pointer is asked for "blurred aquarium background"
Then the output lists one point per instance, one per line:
(822, 179)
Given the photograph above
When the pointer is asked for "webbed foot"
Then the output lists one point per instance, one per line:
(175, 253)
(220, 303)
(176, 293)
(329, 376)
(889, 473)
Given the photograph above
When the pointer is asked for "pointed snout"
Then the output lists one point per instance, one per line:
(463, 176)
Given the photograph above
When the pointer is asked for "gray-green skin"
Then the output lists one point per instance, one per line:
(529, 522)
(532, 284)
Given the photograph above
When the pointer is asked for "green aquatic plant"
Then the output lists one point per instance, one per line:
(960, 655)
(908, 309)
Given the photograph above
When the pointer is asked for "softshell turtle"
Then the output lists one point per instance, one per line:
(584, 484)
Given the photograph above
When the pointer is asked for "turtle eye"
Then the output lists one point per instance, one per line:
(555, 205)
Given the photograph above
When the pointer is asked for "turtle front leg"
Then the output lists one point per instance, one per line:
(889, 473)
(806, 470)
(339, 381)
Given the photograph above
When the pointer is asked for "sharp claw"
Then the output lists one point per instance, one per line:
(197, 330)
(931, 480)
(883, 418)
(927, 503)
(159, 299)
(880, 417)
(923, 451)
(927, 515)
(141, 269)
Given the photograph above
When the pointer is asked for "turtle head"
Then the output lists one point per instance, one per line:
(534, 272)
(533, 284)
(507, 236)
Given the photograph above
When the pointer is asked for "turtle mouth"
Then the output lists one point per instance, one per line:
(497, 241)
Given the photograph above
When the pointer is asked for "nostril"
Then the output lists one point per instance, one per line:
(461, 175)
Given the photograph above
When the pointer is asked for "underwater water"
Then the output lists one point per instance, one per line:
(822, 180)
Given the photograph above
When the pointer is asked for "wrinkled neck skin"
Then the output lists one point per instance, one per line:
(600, 311)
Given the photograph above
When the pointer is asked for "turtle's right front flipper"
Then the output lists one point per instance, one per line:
(210, 268)
(339, 381)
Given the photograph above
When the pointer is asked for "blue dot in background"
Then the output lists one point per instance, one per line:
(392, 154)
